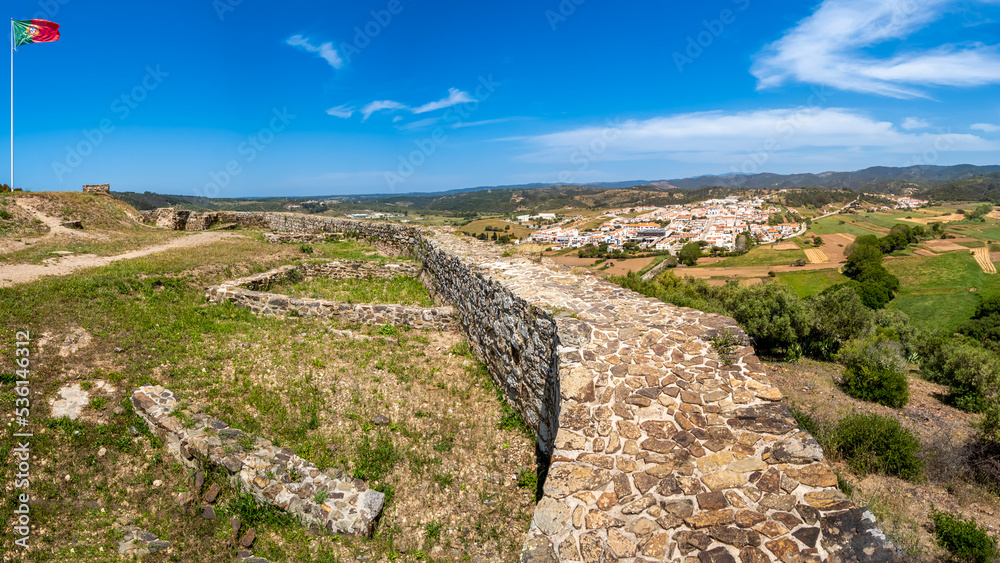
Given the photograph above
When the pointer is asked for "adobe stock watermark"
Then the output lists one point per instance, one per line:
(21, 455)
(365, 34)
(223, 7)
(563, 11)
(122, 107)
(49, 8)
(784, 130)
(454, 117)
(901, 10)
(943, 141)
(587, 154)
(249, 149)
(713, 29)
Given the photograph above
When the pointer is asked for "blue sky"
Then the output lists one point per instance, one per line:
(233, 98)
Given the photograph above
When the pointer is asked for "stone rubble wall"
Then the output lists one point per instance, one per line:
(272, 475)
(279, 238)
(272, 304)
(666, 444)
(252, 293)
(334, 269)
(97, 189)
(167, 218)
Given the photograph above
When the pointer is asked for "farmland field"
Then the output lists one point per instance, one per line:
(940, 292)
(762, 256)
(477, 227)
(809, 283)
(831, 225)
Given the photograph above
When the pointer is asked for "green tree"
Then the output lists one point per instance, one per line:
(836, 316)
(690, 253)
(864, 257)
(818, 241)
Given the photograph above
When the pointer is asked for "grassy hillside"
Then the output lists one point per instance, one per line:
(109, 227)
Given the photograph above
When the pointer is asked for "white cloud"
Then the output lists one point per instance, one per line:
(455, 97)
(722, 137)
(914, 123)
(325, 50)
(985, 127)
(341, 111)
(380, 105)
(464, 124)
(828, 48)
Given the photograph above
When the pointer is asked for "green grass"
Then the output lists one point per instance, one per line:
(936, 312)
(935, 289)
(400, 289)
(347, 249)
(761, 256)
(956, 271)
(831, 225)
(809, 283)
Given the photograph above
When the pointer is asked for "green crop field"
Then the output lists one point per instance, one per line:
(809, 283)
(761, 256)
(936, 289)
(831, 225)
(936, 311)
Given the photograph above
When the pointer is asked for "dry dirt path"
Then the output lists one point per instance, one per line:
(982, 255)
(54, 224)
(14, 274)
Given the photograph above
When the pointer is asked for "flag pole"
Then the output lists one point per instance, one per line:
(11, 103)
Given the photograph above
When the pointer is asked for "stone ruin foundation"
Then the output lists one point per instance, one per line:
(663, 445)
(328, 500)
(98, 189)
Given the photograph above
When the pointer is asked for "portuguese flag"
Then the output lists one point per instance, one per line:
(34, 31)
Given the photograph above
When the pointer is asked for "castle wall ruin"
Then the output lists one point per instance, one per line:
(664, 444)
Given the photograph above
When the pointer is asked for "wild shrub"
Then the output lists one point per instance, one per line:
(875, 371)
(871, 443)
(772, 315)
(973, 375)
(963, 539)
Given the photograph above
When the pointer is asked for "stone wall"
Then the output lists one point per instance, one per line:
(280, 238)
(329, 500)
(169, 218)
(252, 292)
(664, 446)
(98, 189)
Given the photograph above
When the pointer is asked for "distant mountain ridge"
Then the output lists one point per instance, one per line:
(922, 176)
(536, 196)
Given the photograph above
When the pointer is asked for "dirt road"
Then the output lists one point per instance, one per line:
(14, 274)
